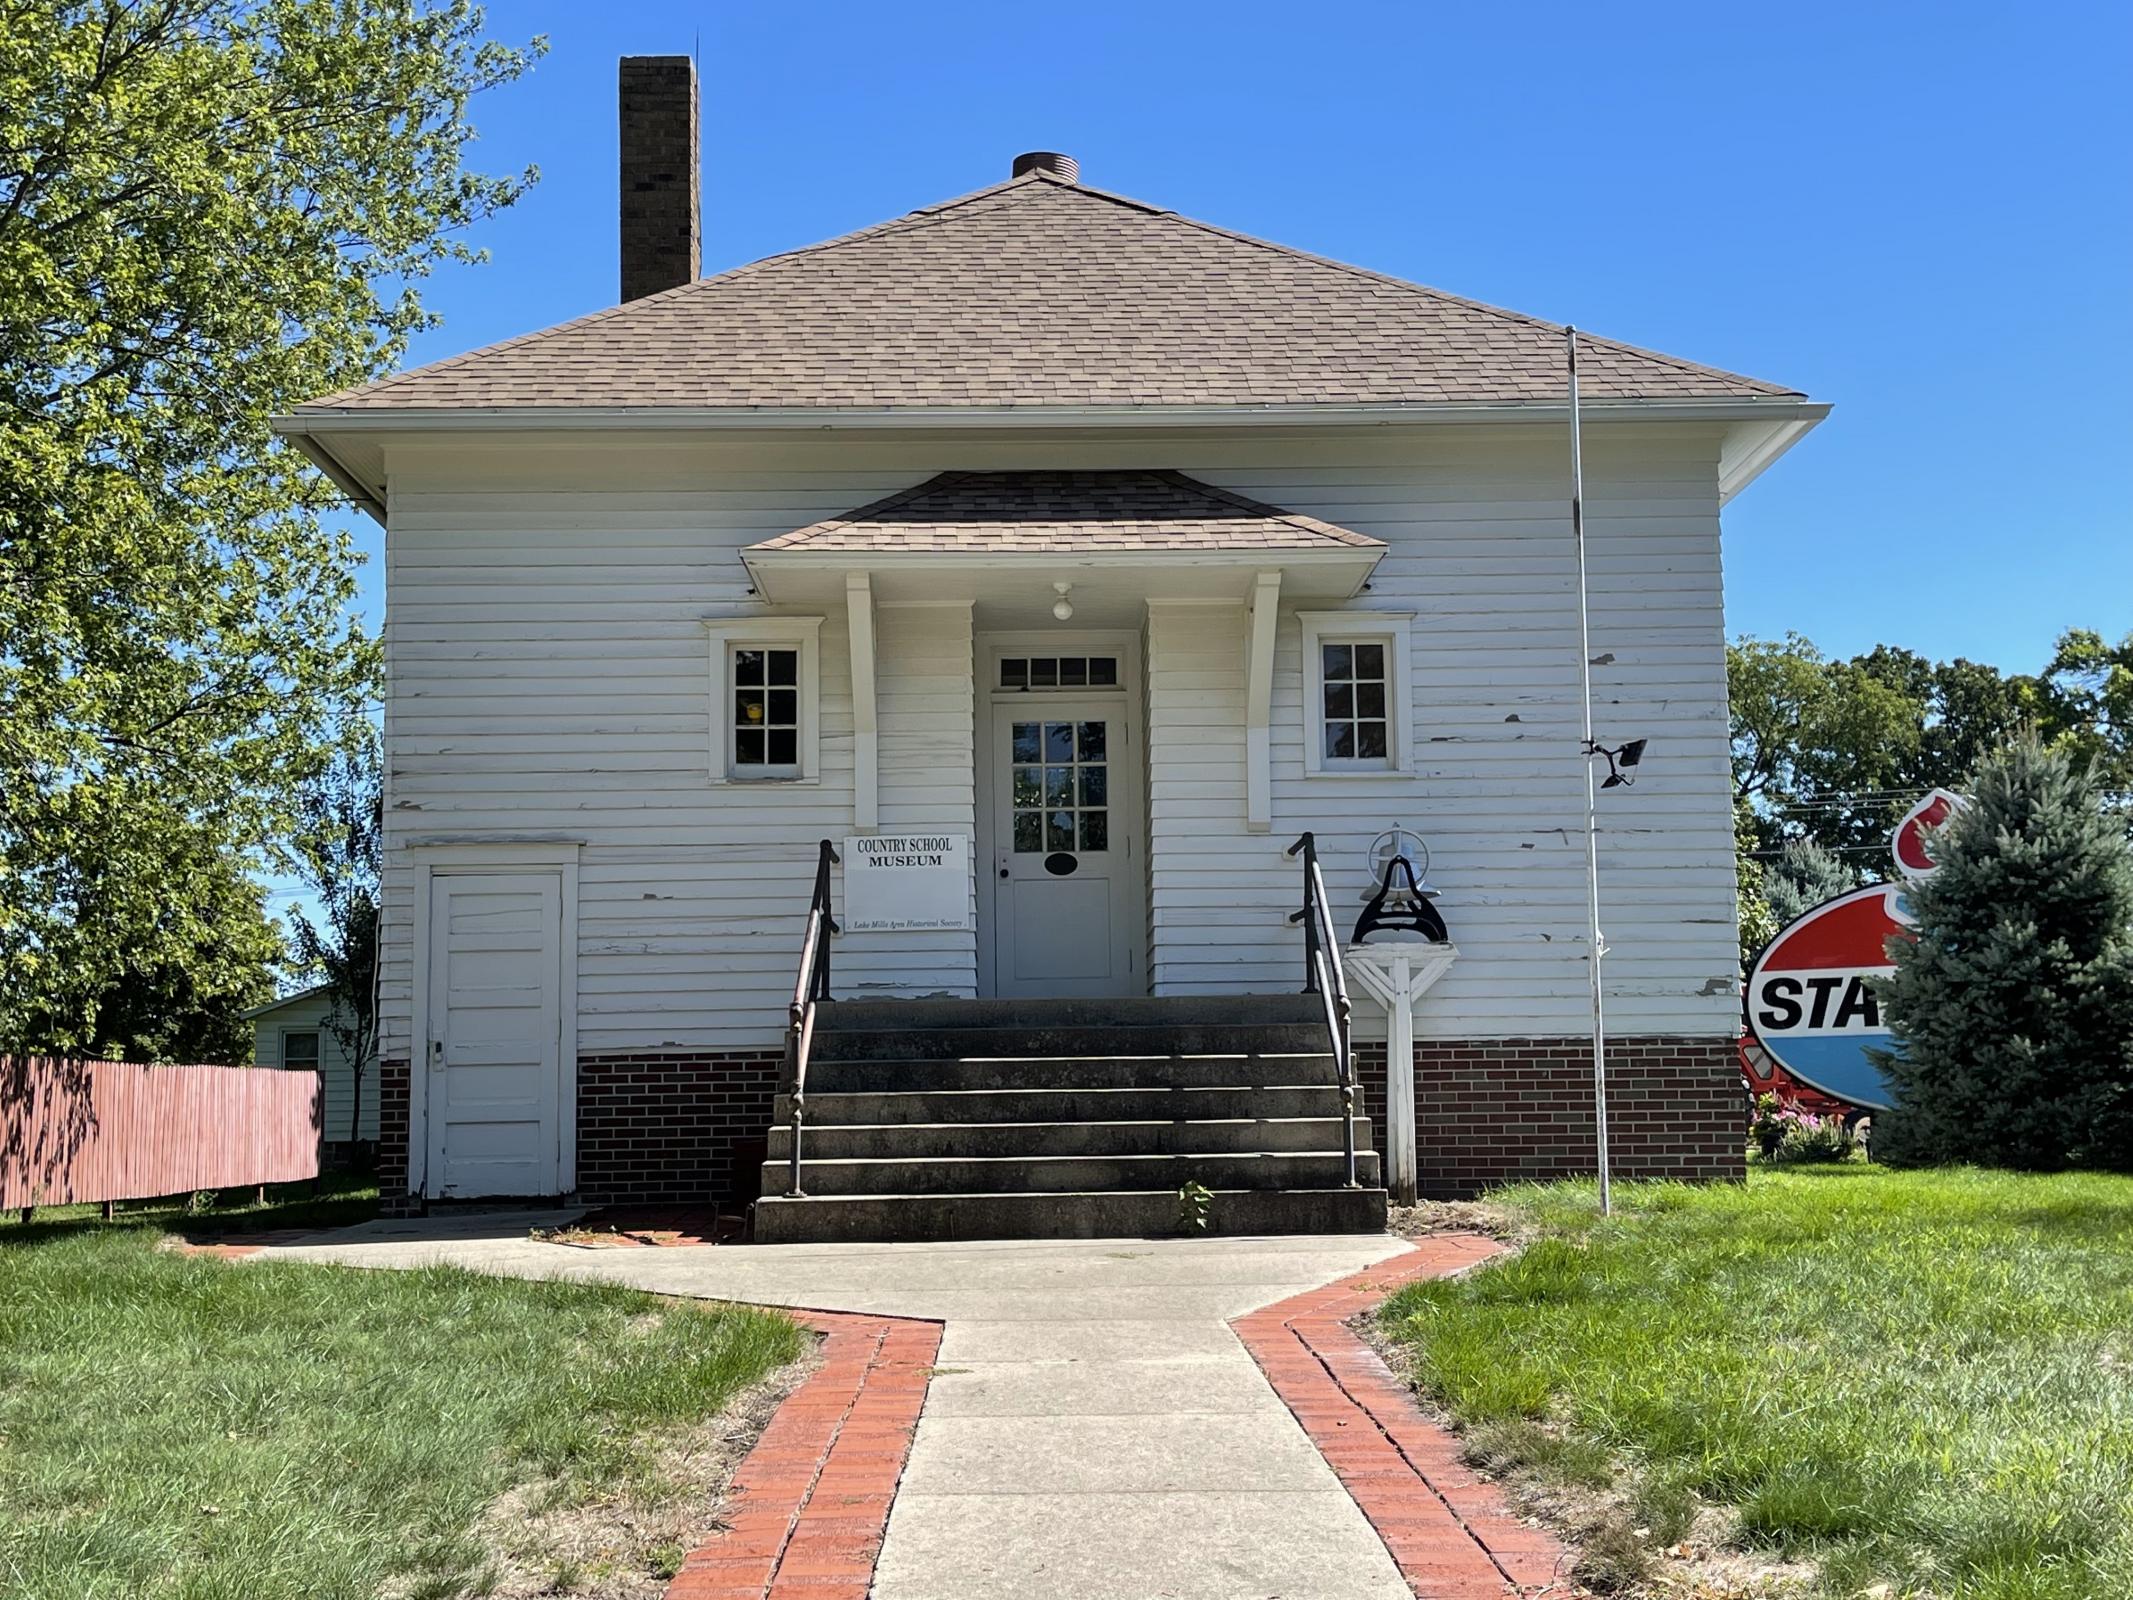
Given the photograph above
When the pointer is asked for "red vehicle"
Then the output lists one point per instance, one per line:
(1764, 1076)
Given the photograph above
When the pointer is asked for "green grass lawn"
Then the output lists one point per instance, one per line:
(180, 1427)
(1921, 1379)
(333, 1201)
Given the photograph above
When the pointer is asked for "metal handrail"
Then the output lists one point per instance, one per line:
(809, 989)
(1323, 977)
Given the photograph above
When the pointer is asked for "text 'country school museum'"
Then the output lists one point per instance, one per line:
(1055, 563)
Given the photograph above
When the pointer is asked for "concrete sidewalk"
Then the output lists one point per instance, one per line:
(1094, 1428)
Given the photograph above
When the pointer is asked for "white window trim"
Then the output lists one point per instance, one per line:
(1322, 627)
(803, 634)
(316, 1029)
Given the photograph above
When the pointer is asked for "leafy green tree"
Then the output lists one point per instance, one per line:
(192, 955)
(2094, 680)
(210, 210)
(1805, 727)
(1757, 926)
(2012, 1004)
(1966, 711)
(338, 850)
(1833, 752)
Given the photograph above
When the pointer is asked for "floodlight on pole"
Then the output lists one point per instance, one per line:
(1597, 946)
(1621, 762)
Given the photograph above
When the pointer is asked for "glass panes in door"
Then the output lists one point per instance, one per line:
(1061, 786)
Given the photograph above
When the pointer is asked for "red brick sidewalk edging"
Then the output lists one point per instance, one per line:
(810, 1504)
(1450, 1531)
(237, 1246)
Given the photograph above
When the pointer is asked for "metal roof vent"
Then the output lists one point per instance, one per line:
(1065, 168)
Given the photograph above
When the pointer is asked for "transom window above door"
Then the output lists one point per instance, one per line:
(1059, 672)
(1061, 777)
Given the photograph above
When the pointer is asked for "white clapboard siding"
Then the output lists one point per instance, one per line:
(547, 658)
(548, 677)
(1482, 556)
(308, 1013)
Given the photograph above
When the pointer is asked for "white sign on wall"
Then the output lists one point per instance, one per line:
(903, 882)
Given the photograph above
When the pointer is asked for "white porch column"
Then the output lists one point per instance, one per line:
(866, 744)
(1259, 705)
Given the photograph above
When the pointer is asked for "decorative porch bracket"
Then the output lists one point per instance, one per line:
(866, 748)
(1396, 975)
(1259, 705)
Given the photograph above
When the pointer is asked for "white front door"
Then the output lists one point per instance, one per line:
(1067, 859)
(495, 1034)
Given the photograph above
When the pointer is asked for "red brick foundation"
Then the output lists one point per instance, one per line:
(680, 1126)
(665, 1125)
(654, 1126)
(393, 1198)
(1494, 1111)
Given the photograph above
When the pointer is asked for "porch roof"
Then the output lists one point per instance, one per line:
(1136, 512)
(1140, 521)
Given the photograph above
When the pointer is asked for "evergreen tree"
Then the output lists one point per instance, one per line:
(1802, 877)
(2012, 1002)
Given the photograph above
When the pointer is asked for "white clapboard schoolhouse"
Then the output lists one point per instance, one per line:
(1011, 587)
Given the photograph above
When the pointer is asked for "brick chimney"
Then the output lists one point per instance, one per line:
(662, 232)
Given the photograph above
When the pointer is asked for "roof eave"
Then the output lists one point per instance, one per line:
(276, 1004)
(311, 422)
(317, 453)
(763, 565)
(1753, 445)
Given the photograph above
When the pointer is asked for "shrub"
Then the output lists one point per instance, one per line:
(1780, 1134)
(2012, 999)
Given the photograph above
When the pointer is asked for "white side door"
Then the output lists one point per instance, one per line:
(495, 1047)
(1067, 858)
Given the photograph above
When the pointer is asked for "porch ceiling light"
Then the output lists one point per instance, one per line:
(1063, 608)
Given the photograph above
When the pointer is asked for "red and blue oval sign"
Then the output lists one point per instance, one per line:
(1809, 1002)
(1908, 843)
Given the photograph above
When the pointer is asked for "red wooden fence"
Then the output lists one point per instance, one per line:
(74, 1131)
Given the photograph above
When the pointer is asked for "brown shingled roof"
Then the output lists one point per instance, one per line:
(1039, 292)
(1066, 513)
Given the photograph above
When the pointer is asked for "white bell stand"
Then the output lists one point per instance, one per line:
(1396, 971)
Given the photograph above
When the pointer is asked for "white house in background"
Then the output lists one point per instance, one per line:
(295, 1032)
(1090, 554)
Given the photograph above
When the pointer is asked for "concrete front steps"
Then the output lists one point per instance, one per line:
(1065, 1119)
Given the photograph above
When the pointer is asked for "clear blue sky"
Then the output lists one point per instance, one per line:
(1921, 213)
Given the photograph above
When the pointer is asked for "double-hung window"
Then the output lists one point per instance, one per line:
(1356, 676)
(765, 700)
(766, 711)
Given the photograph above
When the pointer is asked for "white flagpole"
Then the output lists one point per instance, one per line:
(1597, 947)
